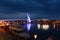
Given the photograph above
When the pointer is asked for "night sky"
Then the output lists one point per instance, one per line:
(37, 9)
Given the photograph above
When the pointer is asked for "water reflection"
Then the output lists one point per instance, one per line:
(50, 34)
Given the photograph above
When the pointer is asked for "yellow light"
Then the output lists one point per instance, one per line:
(38, 25)
(45, 27)
(35, 36)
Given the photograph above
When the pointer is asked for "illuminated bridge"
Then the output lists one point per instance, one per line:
(15, 22)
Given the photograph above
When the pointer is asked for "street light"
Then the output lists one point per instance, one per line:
(35, 36)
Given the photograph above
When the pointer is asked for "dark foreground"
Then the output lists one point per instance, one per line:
(50, 34)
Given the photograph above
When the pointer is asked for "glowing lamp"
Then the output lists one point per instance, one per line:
(35, 36)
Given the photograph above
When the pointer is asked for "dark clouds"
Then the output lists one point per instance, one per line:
(37, 9)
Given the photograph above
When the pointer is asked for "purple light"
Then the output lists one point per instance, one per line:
(28, 24)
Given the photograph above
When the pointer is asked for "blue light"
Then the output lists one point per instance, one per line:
(28, 24)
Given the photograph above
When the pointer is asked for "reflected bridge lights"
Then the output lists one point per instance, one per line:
(44, 26)
(38, 26)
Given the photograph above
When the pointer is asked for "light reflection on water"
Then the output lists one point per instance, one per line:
(50, 34)
(45, 34)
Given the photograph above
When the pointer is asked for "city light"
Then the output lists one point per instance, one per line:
(2, 23)
(38, 26)
(7, 24)
(45, 27)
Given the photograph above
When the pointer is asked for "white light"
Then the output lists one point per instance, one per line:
(38, 25)
(54, 25)
(35, 36)
(45, 27)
